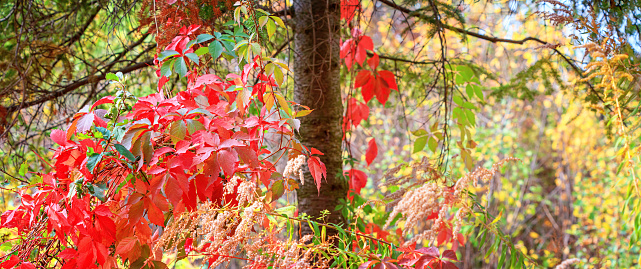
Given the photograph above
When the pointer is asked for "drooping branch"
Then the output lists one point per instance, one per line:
(77, 84)
(492, 39)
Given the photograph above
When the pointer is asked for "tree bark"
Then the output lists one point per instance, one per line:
(317, 85)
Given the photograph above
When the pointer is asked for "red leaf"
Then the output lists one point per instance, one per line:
(357, 180)
(104, 100)
(373, 62)
(189, 245)
(461, 238)
(389, 79)
(135, 212)
(155, 215)
(449, 265)
(442, 237)
(381, 90)
(59, 136)
(316, 152)
(431, 251)
(357, 111)
(103, 210)
(98, 118)
(362, 78)
(11, 262)
(126, 245)
(26, 265)
(450, 255)
(211, 167)
(368, 90)
(427, 261)
(372, 151)
(365, 265)
(173, 191)
(318, 170)
(207, 79)
(348, 9)
(68, 254)
(365, 43)
(227, 161)
(84, 123)
(162, 81)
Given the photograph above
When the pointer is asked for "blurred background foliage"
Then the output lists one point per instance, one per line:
(566, 198)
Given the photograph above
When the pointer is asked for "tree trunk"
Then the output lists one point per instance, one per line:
(317, 85)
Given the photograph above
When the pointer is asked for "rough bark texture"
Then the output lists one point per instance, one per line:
(317, 78)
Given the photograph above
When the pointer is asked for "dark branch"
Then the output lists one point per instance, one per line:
(438, 23)
(370, 54)
(86, 80)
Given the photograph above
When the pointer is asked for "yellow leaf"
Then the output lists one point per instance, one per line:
(498, 217)
(303, 113)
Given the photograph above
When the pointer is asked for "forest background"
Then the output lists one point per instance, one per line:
(552, 84)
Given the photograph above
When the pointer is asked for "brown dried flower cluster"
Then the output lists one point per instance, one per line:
(230, 232)
(417, 204)
(561, 14)
(293, 167)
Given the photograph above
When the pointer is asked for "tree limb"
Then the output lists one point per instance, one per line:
(412, 13)
(77, 84)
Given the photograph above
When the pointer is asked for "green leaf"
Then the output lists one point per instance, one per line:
(124, 182)
(98, 190)
(479, 92)
(420, 132)
(271, 28)
(482, 242)
(513, 256)
(464, 74)
(125, 152)
(112, 77)
(202, 51)
(92, 161)
(199, 111)
(468, 105)
(180, 66)
(24, 167)
(471, 118)
(278, 20)
(419, 144)
(215, 49)
(262, 20)
(203, 37)
(502, 258)
(165, 70)
(469, 89)
(458, 100)
(189, 45)
(194, 125)
(193, 57)
(177, 131)
(255, 48)
(432, 143)
(286, 209)
(104, 132)
(278, 76)
(167, 53)
(278, 189)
